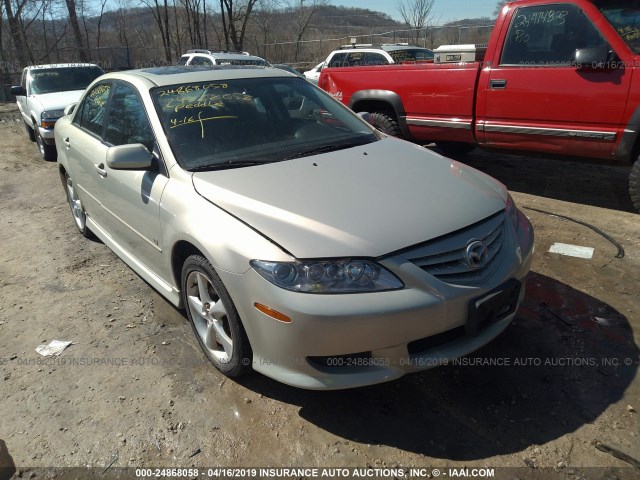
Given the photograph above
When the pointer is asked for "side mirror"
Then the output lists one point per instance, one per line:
(593, 58)
(69, 109)
(18, 91)
(129, 157)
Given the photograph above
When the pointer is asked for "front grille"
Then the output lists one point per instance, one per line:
(446, 258)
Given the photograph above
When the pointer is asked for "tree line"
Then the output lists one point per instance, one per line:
(125, 34)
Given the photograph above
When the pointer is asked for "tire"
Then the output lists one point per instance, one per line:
(634, 185)
(386, 123)
(455, 149)
(30, 132)
(77, 210)
(214, 318)
(48, 152)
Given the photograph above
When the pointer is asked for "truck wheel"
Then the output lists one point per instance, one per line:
(634, 184)
(455, 149)
(385, 122)
(30, 132)
(48, 152)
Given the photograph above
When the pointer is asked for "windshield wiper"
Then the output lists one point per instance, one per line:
(323, 149)
(225, 166)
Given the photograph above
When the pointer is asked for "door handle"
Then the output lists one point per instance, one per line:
(101, 171)
(498, 84)
(67, 143)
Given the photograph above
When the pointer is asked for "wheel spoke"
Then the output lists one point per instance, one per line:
(222, 338)
(203, 288)
(218, 311)
(209, 337)
(196, 304)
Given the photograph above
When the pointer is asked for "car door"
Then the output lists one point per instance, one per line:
(536, 99)
(131, 198)
(87, 151)
(22, 99)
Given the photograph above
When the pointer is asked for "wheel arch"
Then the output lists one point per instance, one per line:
(182, 250)
(628, 148)
(381, 101)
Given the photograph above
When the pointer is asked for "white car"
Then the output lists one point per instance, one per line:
(366, 54)
(301, 241)
(314, 74)
(44, 92)
(209, 58)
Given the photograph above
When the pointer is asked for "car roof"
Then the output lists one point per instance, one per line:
(173, 75)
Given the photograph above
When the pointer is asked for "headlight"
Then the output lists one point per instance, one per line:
(512, 212)
(48, 117)
(328, 276)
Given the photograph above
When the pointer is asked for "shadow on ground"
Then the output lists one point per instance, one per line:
(7, 467)
(566, 354)
(586, 182)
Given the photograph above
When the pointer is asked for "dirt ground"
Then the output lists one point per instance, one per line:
(134, 390)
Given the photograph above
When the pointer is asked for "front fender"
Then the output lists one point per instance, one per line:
(377, 100)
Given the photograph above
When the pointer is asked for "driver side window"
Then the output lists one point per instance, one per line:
(128, 122)
(548, 35)
(93, 109)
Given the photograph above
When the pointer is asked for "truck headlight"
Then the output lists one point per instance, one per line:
(48, 118)
(328, 276)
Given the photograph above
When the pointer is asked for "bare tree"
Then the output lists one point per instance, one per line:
(77, 34)
(416, 13)
(303, 15)
(99, 28)
(235, 18)
(18, 36)
(160, 11)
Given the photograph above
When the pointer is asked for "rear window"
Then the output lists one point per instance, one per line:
(411, 55)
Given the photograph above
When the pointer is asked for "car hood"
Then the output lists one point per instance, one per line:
(361, 202)
(57, 100)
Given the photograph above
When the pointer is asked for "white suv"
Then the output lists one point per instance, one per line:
(207, 57)
(367, 54)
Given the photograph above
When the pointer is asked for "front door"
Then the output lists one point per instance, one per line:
(537, 100)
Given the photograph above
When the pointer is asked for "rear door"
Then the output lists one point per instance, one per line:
(87, 151)
(535, 99)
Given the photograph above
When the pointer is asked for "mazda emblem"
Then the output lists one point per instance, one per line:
(477, 255)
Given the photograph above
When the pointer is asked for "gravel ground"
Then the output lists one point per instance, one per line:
(134, 390)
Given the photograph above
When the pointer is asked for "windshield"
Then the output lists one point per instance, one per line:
(51, 80)
(411, 55)
(230, 123)
(624, 16)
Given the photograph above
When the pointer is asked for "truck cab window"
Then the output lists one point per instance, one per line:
(548, 35)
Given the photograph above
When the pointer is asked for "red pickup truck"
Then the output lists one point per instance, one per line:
(559, 77)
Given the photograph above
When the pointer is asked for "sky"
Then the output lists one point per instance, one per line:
(443, 10)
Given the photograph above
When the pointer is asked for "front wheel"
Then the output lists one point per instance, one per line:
(634, 184)
(214, 318)
(48, 152)
(386, 123)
